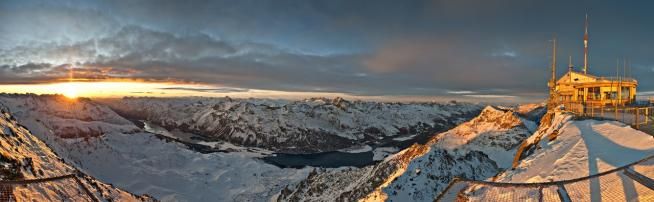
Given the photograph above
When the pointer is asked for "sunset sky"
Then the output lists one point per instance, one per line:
(468, 50)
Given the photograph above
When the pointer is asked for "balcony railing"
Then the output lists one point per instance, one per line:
(617, 79)
(636, 116)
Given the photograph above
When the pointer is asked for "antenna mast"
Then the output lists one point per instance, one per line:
(629, 68)
(624, 68)
(586, 45)
(554, 62)
(552, 83)
(569, 63)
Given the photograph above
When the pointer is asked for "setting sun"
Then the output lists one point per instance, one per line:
(70, 91)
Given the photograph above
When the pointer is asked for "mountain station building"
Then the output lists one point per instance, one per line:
(579, 87)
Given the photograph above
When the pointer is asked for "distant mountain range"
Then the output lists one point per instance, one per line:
(306, 126)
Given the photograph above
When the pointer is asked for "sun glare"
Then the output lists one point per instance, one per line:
(70, 91)
(75, 89)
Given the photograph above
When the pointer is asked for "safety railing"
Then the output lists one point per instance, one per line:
(627, 183)
(46, 189)
(636, 116)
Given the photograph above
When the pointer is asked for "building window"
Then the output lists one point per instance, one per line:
(625, 93)
(594, 93)
(613, 95)
(580, 94)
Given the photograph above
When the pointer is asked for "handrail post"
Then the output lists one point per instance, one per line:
(646, 115)
(636, 119)
(624, 111)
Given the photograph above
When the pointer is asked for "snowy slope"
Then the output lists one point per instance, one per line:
(23, 156)
(476, 149)
(582, 148)
(312, 125)
(143, 163)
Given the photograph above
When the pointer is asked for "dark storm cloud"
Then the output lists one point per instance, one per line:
(28, 68)
(488, 48)
(27, 73)
(44, 72)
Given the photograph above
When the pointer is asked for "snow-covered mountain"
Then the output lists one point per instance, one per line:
(476, 149)
(23, 156)
(144, 163)
(312, 125)
(61, 117)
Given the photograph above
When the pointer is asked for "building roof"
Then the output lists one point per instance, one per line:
(580, 77)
